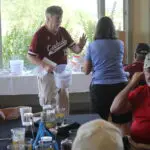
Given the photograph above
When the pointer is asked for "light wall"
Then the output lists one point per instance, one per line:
(140, 22)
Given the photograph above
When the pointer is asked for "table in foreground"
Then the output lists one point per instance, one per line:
(5, 126)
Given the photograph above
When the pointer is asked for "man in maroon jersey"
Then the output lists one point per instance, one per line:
(51, 41)
(137, 66)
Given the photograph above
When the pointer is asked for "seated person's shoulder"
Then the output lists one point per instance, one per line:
(127, 66)
(134, 67)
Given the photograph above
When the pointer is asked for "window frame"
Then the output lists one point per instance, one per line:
(1, 57)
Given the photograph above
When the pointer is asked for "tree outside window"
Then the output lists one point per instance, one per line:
(114, 9)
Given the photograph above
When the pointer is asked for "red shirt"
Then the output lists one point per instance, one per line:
(140, 100)
(52, 46)
(134, 67)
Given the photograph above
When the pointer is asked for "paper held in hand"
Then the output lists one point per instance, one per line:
(47, 61)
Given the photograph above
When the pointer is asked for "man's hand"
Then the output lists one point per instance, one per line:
(35, 60)
(77, 48)
(49, 68)
(82, 41)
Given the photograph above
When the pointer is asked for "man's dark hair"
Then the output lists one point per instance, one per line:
(141, 50)
(54, 10)
(105, 29)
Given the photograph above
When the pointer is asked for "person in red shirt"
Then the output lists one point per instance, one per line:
(137, 66)
(51, 41)
(137, 100)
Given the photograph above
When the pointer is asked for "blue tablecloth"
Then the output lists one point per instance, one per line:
(5, 126)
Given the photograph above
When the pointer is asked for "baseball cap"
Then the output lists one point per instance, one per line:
(142, 48)
(98, 135)
(147, 61)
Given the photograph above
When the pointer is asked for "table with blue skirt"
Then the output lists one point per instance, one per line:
(5, 126)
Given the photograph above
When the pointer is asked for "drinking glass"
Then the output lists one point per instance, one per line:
(19, 147)
(48, 116)
(15, 147)
(18, 135)
(28, 119)
(24, 110)
(60, 116)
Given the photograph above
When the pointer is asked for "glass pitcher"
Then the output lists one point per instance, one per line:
(48, 116)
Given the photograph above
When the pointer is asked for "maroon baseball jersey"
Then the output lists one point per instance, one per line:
(52, 46)
(134, 67)
(137, 66)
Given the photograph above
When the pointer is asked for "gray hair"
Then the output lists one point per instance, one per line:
(54, 10)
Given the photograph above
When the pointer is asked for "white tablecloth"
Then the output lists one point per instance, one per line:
(27, 84)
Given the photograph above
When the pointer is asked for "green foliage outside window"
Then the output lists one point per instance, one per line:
(21, 18)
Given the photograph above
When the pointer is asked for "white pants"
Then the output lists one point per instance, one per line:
(47, 89)
(50, 94)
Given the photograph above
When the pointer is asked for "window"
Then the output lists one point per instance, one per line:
(114, 9)
(21, 18)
